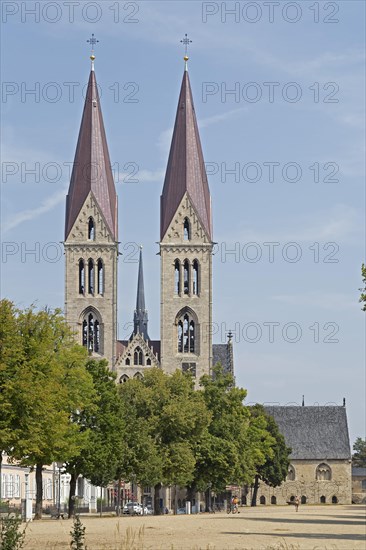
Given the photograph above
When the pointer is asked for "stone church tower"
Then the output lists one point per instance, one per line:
(91, 247)
(186, 249)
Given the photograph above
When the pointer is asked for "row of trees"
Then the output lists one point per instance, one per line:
(58, 405)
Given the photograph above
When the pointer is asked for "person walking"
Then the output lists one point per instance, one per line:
(297, 502)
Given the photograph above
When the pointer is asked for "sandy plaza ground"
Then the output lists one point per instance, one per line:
(312, 527)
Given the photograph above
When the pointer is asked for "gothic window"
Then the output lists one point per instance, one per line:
(273, 500)
(195, 278)
(190, 368)
(127, 362)
(186, 276)
(334, 500)
(186, 230)
(186, 334)
(91, 333)
(323, 472)
(100, 277)
(81, 277)
(323, 500)
(291, 474)
(138, 356)
(91, 229)
(123, 379)
(138, 375)
(148, 362)
(180, 336)
(91, 277)
(303, 499)
(262, 500)
(177, 277)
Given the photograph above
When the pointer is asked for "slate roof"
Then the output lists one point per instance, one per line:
(319, 433)
(222, 353)
(186, 167)
(92, 165)
(358, 472)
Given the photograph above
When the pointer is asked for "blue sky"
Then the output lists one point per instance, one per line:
(292, 130)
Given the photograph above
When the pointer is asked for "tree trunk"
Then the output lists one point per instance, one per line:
(157, 510)
(73, 481)
(255, 491)
(39, 492)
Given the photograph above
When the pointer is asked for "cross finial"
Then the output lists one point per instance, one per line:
(92, 41)
(186, 42)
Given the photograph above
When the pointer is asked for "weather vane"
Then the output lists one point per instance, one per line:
(92, 41)
(186, 42)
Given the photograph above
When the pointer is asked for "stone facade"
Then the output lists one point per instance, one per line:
(308, 485)
(359, 485)
(96, 297)
(183, 295)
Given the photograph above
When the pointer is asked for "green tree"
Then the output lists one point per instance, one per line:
(363, 289)
(104, 427)
(274, 470)
(234, 443)
(47, 389)
(359, 457)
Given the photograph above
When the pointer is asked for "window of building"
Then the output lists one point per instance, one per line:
(80, 488)
(334, 500)
(363, 485)
(138, 356)
(148, 362)
(177, 285)
(186, 333)
(91, 229)
(186, 230)
(190, 368)
(127, 362)
(186, 276)
(16, 486)
(91, 277)
(91, 333)
(323, 472)
(273, 500)
(138, 375)
(291, 474)
(123, 379)
(323, 500)
(303, 499)
(262, 500)
(100, 267)
(81, 277)
(195, 278)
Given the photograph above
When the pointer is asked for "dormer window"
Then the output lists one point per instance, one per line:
(186, 230)
(91, 230)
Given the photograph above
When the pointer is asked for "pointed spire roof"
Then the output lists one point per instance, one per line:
(186, 169)
(92, 166)
(140, 318)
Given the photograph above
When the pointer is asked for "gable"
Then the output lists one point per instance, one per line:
(79, 231)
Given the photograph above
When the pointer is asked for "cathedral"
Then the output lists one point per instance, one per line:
(91, 253)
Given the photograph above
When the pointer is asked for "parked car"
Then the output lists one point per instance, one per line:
(132, 509)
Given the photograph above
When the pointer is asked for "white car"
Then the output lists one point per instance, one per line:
(132, 509)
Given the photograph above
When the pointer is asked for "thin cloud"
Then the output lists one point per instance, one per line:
(34, 213)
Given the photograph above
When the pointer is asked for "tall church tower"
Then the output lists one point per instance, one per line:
(91, 247)
(186, 248)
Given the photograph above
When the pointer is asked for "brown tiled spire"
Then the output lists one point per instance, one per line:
(92, 167)
(186, 169)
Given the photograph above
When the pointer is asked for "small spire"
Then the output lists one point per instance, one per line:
(140, 319)
(186, 41)
(344, 401)
(229, 337)
(92, 41)
(303, 401)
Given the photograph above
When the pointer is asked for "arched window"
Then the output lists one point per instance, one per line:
(195, 278)
(138, 375)
(273, 500)
(137, 356)
(186, 230)
(186, 333)
(177, 285)
(91, 333)
(291, 474)
(323, 500)
(127, 362)
(323, 472)
(262, 500)
(91, 229)
(123, 379)
(334, 500)
(303, 499)
(81, 277)
(100, 277)
(244, 500)
(186, 276)
(148, 362)
(180, 336)
(91, 277)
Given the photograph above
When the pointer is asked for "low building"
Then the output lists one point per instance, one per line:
(358, 485)
(320, 469)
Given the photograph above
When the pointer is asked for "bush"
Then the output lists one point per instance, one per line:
(11, 537)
